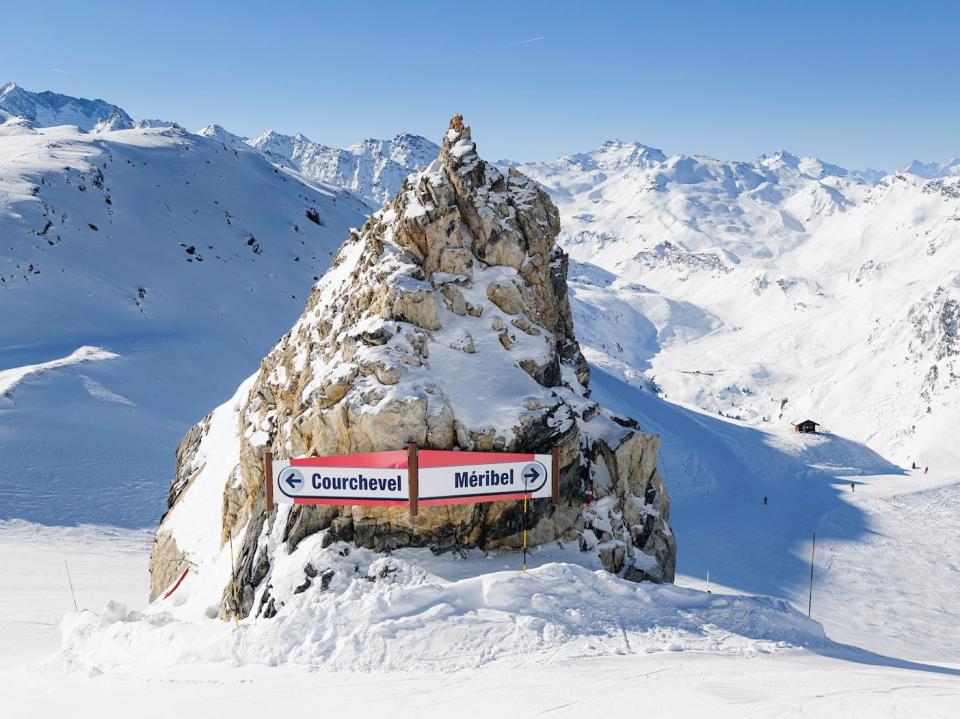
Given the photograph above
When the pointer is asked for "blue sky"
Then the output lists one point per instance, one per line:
(861, 84)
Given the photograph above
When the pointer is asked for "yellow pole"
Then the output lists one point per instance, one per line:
(525, 533)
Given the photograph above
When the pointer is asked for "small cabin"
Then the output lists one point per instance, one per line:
(805, 426)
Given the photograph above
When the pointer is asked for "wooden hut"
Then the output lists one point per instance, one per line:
(805, 425)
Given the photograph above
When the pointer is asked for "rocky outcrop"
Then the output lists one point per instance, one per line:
(445, 321)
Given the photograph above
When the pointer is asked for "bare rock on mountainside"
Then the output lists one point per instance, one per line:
(444, 321)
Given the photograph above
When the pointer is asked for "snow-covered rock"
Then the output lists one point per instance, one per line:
(49, 109)
(444, 321)
(374, 169)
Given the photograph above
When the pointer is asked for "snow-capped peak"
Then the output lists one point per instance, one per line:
(49, 109)
(405, 149)
(617, 154)
(781, 158)
(933, 170)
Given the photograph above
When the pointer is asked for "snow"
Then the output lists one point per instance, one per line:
(373, 169)
(50, 109)
(763, 290)
(596, 654)
(196, 528)
(10, 378)
(177, 330)
(881, 581)
(785, 285)
(105, 564)
(400, 613)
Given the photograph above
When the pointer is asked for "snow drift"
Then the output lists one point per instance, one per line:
(411, 611)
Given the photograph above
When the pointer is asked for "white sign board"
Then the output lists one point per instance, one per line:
(376, 478)
(447, 477)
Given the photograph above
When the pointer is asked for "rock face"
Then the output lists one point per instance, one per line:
(444, 321)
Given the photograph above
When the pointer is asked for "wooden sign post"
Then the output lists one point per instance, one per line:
(268, 480)
(555, 475)
(433, 477)
(413, 478)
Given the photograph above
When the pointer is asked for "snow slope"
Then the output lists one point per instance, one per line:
(778, 289)
(882, 582)
(181, 260)
(669, 677)
(432, 634)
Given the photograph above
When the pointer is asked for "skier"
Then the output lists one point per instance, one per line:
(853, 487)
(764, 500)
(925, 469)
(913, 465)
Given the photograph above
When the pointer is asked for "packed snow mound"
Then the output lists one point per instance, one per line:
(342, 608)
(49, 109)
(811, 290)
(182, 260)
(444, 321)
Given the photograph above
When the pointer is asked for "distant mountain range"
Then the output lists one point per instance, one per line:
(374, 169)
(769, 290)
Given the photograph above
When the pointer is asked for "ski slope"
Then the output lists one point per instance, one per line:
(883, 579)
(436, 631)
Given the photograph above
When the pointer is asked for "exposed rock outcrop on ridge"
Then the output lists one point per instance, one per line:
(444, 321)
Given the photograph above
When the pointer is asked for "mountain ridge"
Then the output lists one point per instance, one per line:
(47, 108)
(706, 260)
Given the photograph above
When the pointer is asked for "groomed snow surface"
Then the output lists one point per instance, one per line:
(428, 635)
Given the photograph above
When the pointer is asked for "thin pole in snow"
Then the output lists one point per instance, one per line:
(268, 481)
(233, 584)
(525, 504)
(70, 582)
(813, 550)
(523, 521)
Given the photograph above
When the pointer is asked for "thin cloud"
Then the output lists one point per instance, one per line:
(526, 42)
(62, 72)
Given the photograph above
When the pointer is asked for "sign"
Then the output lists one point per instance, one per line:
(460, 477)
(411, 477)
(375, 479)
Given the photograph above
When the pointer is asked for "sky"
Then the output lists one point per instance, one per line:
(859, 84)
